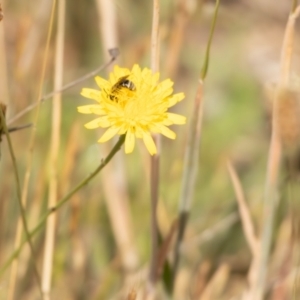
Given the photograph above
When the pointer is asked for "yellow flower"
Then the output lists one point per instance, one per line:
(134, 103)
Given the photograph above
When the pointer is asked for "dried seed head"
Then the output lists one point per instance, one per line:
(287, 122)
(269, 96)
(288, 119)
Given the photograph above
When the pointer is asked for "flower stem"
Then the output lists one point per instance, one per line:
(53, 209)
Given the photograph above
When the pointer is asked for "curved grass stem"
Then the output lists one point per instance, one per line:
(60, 203)
(19, 197)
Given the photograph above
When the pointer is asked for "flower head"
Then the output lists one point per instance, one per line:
(134, 103)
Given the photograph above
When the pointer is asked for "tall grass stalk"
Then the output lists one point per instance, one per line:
(54, 151)
(60, 203)
(192, 153)
(33, 132)
(3, 70)
(107, 25)
(28, 169)
(113, 55)
(246, 219)
(154, 172)
(184, 9)
(274, 159)
(35, 37)
(22, 209)
(114, 179)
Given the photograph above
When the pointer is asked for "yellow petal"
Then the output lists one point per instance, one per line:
(136, 70)
(91, 94)
(108, 134)
(123, 129)
(129, 142)
(136, 73)
(93, 124)
(85, 109)
(98, 110)
(175, 99)
(167, 132)
(118, 73)
(155, 78)
(104, 122)
(149, 143)
(163, 94)
(90, 109)
(176, 119)
(166, 85)
(112, 78)
(101, 82)
(139, 132)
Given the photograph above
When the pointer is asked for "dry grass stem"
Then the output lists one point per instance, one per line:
(270, 203)
(189, 171)
(155, 159)
(33, 132)
(3, 127)
(3, 70)
(72, 150)
(191, 164)
(35, 35)
(183, 12)
(155, 37)
(274, 159)
(154, 183)
(29, 161)
(113, 53)
(103, 239)
(65, 199)
(14, 266)
(132, 295)
(114, 178)
(117, 202)
(108, 25)
(287, 48)
(209, 233)
(54, 152)
(216, 285)
(165, 248)
(245, 215)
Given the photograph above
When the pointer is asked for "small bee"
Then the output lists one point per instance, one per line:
(123, 82)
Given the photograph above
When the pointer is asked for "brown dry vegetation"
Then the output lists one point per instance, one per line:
(102, 236)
